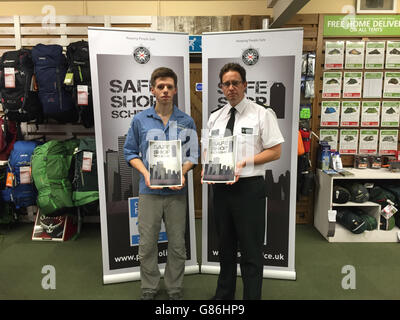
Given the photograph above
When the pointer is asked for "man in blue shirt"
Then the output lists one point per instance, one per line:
(163, 121)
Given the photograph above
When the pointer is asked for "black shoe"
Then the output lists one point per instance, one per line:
(148, 295)
(175, 296)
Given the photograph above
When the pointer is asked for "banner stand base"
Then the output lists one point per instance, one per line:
(280, 274)
(273, 274)
(121, 277)
(135, 275)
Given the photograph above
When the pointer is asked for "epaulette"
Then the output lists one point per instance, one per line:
(262, 105)
(217, 108)
(267, 107)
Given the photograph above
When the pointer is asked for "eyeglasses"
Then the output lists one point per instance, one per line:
(227, 84)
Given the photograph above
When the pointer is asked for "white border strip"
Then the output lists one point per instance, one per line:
(135, 276)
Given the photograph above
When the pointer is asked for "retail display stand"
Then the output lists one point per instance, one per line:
(354, 67)
(333, 231)
(57, 228)
(350, 57)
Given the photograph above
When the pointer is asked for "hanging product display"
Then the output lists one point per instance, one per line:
(388, 140)
(368, 141)
(372, 85)
(392, 55)
(330, 111)
(348, 141)
(334, 54)
(390, 113)
(350, 115)
(374, 55)
(391, 88)
(354, 55)
(330, 136)
(352, 84)
(332, 85)
(370, 112)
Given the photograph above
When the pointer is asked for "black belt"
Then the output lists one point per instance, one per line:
(248, 179)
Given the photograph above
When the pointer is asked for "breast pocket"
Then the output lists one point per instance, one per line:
(247, 141)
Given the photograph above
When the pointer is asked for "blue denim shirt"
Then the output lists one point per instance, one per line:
(146, 126)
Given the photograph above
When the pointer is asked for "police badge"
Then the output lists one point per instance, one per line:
(141, 55)
(250, 56)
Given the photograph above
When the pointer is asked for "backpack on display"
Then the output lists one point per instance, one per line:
(50, 69)
(358, 192)
(351, 221)
(51, 164)
(85, 182)
(395, 191)
(381, 195)
(340, 194)
(8, 214)
(19, 187)
(10, 132)
(79, 82)
(19, 96)
(387, 224)
(3, 141)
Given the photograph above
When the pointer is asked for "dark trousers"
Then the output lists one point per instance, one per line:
(240, 224)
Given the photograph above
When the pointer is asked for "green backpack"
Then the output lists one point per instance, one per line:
(51, 164)
(85, 183)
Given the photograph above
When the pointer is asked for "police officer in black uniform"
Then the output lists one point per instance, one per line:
(240, 206)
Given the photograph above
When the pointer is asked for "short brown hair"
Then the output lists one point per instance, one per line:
(163, 72)
(233, 67)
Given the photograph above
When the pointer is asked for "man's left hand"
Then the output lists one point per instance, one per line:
(179, 187)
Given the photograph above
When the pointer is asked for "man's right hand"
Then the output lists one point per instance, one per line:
(147, 181)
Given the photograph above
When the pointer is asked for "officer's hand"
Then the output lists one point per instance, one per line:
(238, 169)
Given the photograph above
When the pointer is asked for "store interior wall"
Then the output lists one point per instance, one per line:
(167, 7)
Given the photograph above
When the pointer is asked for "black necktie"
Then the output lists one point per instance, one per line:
(231, 123)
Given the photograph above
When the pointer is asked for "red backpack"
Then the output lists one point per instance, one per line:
(8, 136)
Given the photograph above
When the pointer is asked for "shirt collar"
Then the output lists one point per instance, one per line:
(175, 113)
(239, 107)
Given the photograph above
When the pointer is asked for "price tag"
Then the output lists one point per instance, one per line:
(388, 211)
(25, 175)
(69, 79)
(9, 78)
(87, 161)
(332, 215)
(10, 179)
(83, 95)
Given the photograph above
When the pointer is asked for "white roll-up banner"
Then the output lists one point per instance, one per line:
(272, 59)
(121, 63)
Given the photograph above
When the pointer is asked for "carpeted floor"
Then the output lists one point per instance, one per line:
(78, 266)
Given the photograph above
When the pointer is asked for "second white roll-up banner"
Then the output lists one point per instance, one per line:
(121, 65)
(272, 59)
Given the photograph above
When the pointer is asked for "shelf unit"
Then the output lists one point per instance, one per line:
(333, 231)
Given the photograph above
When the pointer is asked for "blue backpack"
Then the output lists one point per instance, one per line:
(22, 192)
(50, 70)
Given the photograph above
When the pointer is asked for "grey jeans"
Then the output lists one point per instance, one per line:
(152, 210)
